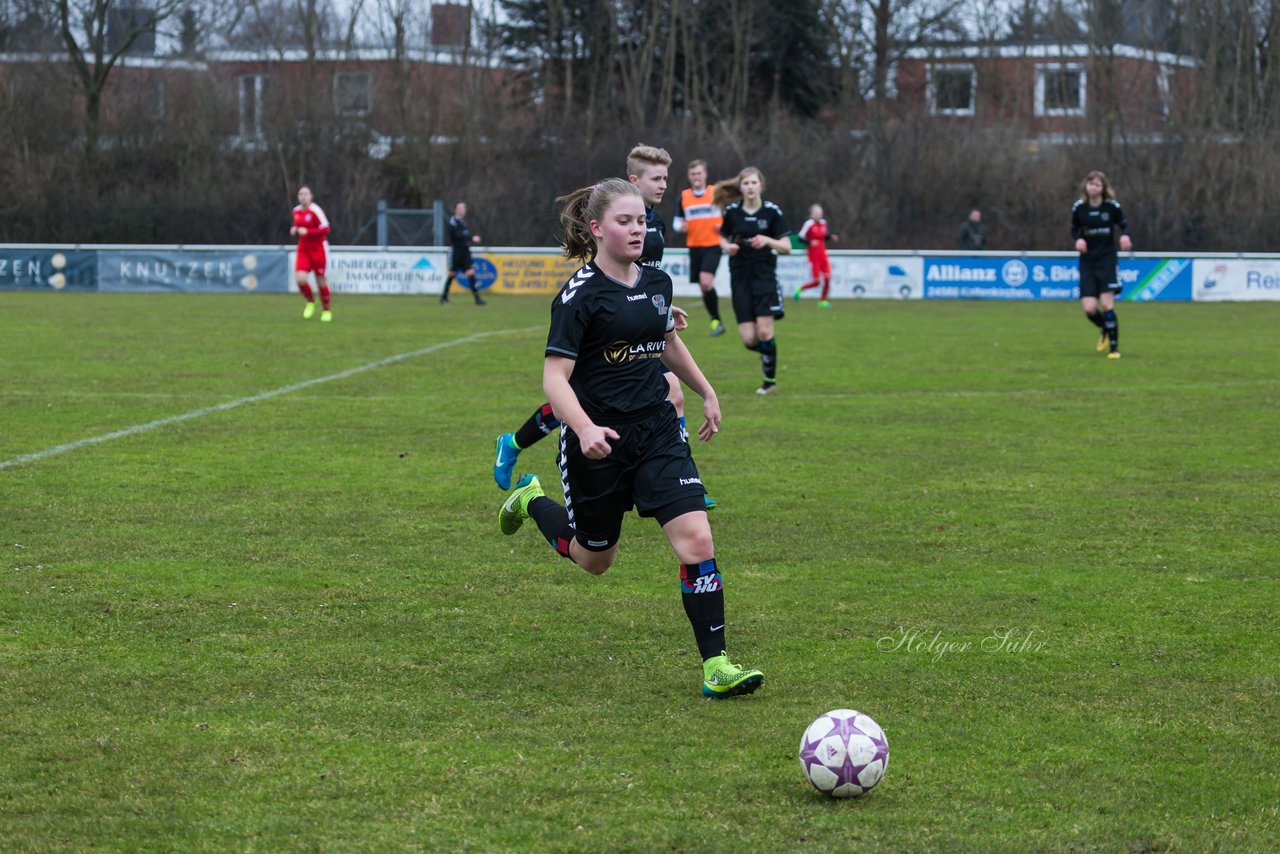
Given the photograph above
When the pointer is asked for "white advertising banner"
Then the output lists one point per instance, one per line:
(852, 276)
(375, 271)
(1222, 279)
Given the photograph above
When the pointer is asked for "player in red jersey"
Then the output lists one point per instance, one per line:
(815, 233)
(312, 229)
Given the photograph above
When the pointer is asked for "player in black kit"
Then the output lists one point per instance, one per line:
(752, 232)
(621, 446)
(646, 168)
(460, 263)
(1096, 219)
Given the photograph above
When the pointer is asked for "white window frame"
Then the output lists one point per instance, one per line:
(355, 113)
(259, 90)
(932, 94)
(157, 111)
(1042, 70)
(1164, 88)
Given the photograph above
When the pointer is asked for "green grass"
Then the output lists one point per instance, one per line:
(293, 625)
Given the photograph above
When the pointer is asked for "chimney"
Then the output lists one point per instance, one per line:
(450, 25)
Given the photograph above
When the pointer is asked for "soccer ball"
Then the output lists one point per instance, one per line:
(844, 753)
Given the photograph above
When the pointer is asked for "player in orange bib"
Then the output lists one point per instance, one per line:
(700, 219)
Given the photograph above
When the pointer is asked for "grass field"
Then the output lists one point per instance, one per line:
(291, 623)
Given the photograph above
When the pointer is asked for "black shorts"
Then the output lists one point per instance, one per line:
(703, 259)
(650, 468)
(460, 262)
(1099, 276)
(756, 293)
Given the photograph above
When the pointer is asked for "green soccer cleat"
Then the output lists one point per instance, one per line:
(824, 304)
(723, 678)
(309, 311)
(709, 502)
(717, 328)
(504, 461)
(795, 295)
(516, 508)
(326, 316)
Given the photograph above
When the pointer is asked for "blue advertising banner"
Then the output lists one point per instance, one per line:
(1050, 278)
(192, 270)
(47, 269)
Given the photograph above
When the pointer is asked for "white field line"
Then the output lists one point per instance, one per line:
(244, 401)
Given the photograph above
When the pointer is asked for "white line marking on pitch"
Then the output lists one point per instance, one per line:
(244, 401)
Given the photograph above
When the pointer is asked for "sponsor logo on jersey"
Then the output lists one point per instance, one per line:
(635, 297)
(624, 351)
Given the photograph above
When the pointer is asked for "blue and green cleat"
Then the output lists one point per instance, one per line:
(709, 501)
(504, 462)
(516, 508)
(723, 678)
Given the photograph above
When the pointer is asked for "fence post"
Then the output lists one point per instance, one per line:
(382, 222)
(437, 222)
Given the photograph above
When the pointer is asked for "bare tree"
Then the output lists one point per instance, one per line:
(95, 46)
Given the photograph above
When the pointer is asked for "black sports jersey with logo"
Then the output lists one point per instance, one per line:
(739, 227)
(616, 334)
(1097, 225)
(655, 237)
(460, 241)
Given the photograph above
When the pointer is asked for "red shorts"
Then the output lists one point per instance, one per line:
(313, 258)
(820, 265)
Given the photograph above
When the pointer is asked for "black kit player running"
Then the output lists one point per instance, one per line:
(542, 422)
(753, 275)
(1100, 227)
(616, 335)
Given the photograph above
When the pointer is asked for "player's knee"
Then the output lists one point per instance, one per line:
(596, 563)
(593, 561)
(698, 547)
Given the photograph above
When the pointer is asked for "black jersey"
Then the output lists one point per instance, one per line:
(459, 234)
(1098, 226)
(616, 335)
(655, 237)
(739, 227)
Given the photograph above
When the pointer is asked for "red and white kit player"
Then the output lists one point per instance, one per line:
(815, 234)
(312, 228)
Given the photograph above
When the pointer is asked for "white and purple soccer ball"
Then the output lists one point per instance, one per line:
(844, 753)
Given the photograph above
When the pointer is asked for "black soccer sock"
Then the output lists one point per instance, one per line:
(711, 300)
(769, 359)
(702, 590)
(538, 426)
(1112, 326)
(471, 283)
(448, 280)
(1095, 317)
(552, 520)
